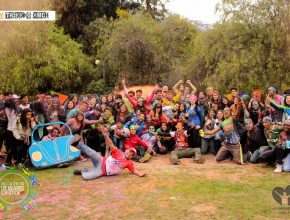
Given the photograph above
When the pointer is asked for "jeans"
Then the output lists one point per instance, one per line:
(97, 160)
(261, 153)
(11, 147)
(286, 164)
(118, 142)
(207, 145)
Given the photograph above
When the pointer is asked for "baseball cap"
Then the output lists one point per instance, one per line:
(131, 149)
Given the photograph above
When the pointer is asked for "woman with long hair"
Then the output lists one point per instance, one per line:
(69, 105)
(56, 113)
(11, 114)
(215, 102)
(22, 132)
(40, 117)
(157, 116)
(123, 115)
(102, 103)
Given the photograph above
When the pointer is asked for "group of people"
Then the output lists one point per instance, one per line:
(113, 129)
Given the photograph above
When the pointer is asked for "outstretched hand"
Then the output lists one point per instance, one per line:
(104, 131)
(143, 174)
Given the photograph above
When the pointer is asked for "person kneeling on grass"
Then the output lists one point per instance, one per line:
(231, 143)
(103, 166)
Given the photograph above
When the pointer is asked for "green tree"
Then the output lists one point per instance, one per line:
(248, 48)
(76, 14)
(43, 58)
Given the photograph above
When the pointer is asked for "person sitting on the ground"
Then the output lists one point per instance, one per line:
(136, 142)
(112, 165)
(282, 149)
(271, 132)
(182, 149)
(163, 134)
(149, 138)
(255, 133)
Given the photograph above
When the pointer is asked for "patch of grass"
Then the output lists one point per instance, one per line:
(214, 191)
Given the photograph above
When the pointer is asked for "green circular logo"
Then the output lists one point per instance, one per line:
(15, 188)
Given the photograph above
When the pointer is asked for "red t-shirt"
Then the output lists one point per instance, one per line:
(134, 141)
(115, 163)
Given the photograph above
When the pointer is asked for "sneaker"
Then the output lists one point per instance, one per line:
(199, 161)
(146, 157)
(278, 169)
(76, 140)
(173, 161)
(63, 165)
(78, 172)
(81, 159)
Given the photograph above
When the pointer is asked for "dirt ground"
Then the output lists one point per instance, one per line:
(186, 191)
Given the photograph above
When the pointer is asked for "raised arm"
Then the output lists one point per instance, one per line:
(276, 106)
(150, 98)
(124, 86)
(175, 89)
(192, 86)
(108, 140)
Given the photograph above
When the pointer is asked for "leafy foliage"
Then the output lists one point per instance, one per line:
(43, 58)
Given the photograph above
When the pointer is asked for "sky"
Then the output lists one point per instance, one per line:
(202, 10)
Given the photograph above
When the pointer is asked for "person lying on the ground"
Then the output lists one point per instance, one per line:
(112, 165)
